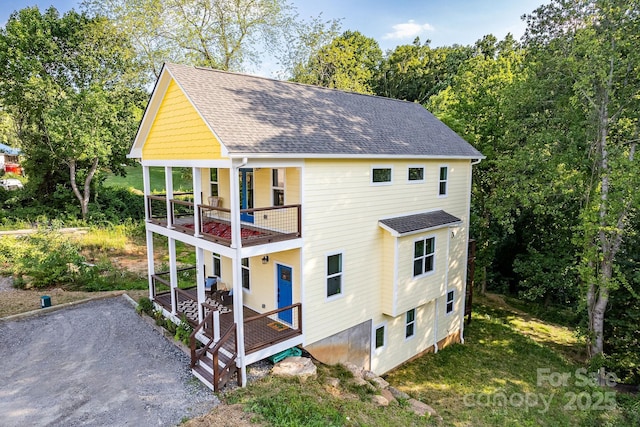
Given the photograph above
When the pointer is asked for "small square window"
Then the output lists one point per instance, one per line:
(416, 174)
(450, 297)
(381, 175)
(380, 337)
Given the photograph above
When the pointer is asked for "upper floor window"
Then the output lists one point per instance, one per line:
(424, 256)
(381, 175)
(450, 297)
(410, 323)
(277, 186)
(416, 174)
(246, 276)
(442, 182)
(334, 275)
(213, 180)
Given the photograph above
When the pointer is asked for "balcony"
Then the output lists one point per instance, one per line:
(258, 225)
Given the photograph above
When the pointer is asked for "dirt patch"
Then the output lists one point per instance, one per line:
(225, 415)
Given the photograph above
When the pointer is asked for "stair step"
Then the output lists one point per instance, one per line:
(202, 374)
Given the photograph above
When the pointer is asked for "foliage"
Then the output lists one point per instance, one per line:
(183, 331)
(132, 180)
(226, 35)
(416, 72)
(69, 84)
(41, 260)
(145, 306)
(349, 63)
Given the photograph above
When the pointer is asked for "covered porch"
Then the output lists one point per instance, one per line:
(261, 330)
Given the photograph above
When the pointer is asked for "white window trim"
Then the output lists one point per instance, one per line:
(214, 257)
(376, 184)
(248, 268)
(417, 181)
(217, 182)
(273, 187)
(326, 276)
(435, 250)
(384, 338)
(453, 302)
(415, 324)
(446, 193)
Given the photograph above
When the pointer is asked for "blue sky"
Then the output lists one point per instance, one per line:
(393, 22)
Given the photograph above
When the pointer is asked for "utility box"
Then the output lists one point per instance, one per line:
(45, 301)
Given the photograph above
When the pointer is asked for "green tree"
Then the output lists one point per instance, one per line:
(415, 72)
(592, 44)
(222, 34)
(69, 84)
(349, 62)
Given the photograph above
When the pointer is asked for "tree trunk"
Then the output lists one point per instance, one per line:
(83, 197)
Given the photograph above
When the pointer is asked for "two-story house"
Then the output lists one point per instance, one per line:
(338, 221)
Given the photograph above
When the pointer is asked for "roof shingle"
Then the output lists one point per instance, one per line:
(254, 115)
(417, 222)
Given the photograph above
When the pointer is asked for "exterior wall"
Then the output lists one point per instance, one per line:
(341, 213)
(178, 132)
(351, 345)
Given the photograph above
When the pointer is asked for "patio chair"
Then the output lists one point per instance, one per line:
(213, 202)
(210, 285)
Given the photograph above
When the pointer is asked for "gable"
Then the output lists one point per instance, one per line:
(178, 132)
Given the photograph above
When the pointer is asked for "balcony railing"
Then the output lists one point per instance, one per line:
(258, 225)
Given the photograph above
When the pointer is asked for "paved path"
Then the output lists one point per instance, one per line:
(94, 364)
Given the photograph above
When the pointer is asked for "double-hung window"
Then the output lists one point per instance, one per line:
(450, 297)
(246, 276)
(213, 180)
(334, 275)
(277, 186)
(442, 181)
(424, 256)
(410, 323)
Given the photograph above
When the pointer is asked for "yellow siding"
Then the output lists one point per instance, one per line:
(397, 347)
(178, 132)
(341, 213)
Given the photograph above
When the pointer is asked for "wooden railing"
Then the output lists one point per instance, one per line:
(195, 352)
(222, 374)
(295, 329)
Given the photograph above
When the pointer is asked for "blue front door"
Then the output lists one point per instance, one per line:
(246, 194)
(285, 293)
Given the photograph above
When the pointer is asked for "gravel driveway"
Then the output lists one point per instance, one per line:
(97, 363)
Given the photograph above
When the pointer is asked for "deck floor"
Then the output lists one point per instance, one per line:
(259, 334)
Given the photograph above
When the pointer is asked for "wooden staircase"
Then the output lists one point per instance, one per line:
(215, 362)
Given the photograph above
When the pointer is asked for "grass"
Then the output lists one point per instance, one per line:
(513, 370)
(291, 402)
(133, 179)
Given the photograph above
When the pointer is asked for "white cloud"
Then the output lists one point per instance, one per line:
(409, 29)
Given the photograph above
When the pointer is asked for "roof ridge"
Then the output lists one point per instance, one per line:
(235, 73)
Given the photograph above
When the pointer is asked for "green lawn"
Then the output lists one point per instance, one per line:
(513, 370)
(133, 179)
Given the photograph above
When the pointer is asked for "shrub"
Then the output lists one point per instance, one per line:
(183, 331)
(145, 306)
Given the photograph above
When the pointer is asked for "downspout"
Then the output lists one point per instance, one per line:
(236, 243)
(435, 328)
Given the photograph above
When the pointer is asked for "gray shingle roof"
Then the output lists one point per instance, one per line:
(423, 221)
(258, 115)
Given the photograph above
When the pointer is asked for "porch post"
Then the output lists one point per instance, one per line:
(150, 263)
(173, 274)
(197, 199)
(236, 243)
(146, 190)
(200, 282)
(168, 183)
